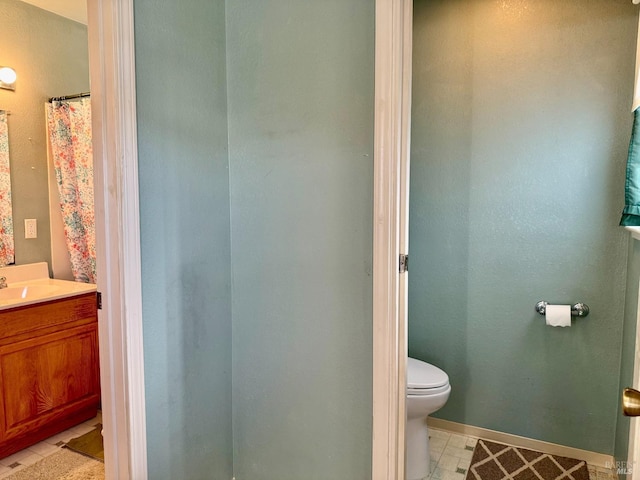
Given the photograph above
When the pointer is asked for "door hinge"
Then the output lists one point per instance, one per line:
(404, 263)
(99, 300)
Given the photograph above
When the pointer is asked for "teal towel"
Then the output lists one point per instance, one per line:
(631, 212)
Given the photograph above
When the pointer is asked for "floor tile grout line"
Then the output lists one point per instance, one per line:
(28, 452)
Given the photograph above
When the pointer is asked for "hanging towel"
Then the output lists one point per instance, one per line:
(631, 211)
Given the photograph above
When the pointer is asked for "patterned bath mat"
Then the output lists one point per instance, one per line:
(495, 461)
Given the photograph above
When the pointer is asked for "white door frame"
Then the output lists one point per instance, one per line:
(633, 452)
(111, 52)
(394, 19)
(112, 70)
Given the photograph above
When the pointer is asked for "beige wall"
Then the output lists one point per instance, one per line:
(50, 56)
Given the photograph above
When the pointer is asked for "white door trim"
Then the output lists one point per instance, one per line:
(111, 60)
(393, 32)
(633, 452)
(111, 50)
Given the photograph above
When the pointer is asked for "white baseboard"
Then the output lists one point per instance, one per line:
(592, 458)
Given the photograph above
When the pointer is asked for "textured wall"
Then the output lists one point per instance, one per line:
(521, 122)
(50, 56)
(300, 144)
(184, 207)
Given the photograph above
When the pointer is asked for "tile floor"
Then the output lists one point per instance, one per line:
(451, 457)
(450, 453)
(31, 455)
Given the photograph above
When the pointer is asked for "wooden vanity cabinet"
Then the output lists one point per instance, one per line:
(49, 369)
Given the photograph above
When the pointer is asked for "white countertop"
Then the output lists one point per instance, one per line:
(30, 284)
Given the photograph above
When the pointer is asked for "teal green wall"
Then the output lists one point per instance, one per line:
(300, 79)
(521, 122)
(184, 209)
(299, 196)
(628, 346)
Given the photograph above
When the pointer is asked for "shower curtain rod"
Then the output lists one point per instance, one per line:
(69, 97)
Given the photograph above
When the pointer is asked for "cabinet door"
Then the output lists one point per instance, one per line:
(47, 377)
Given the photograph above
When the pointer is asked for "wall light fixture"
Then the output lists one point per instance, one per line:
(8, 78)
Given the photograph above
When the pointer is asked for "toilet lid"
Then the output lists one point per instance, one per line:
(422, 375)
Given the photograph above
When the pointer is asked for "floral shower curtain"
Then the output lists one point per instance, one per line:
(69, 126)
(6, 213)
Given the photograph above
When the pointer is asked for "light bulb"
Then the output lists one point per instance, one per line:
(8, 75)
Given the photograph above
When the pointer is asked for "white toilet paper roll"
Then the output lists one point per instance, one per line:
(558, 315)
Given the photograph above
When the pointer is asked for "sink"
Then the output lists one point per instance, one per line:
(30, 284)
(27, 292)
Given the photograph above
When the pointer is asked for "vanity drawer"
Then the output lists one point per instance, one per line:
(20, 323)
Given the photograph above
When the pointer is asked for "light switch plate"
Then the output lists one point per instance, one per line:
(30, 228)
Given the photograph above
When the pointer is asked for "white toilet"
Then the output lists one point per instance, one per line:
(427, 391)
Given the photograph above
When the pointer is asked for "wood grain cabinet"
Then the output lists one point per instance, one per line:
(49, 374)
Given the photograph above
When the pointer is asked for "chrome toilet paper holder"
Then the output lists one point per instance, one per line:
(577, 310)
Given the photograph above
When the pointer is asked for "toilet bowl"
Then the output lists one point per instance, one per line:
(428, 390)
